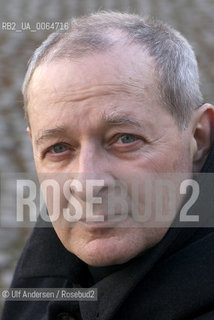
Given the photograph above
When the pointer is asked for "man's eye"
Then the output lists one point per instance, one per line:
(127, 138)
(59, 148)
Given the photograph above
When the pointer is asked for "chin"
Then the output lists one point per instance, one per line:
(106, 247)
(103, 260)
(105, 253)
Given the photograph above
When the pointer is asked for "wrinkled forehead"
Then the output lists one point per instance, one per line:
(132, 69)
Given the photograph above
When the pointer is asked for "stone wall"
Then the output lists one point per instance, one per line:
(194, 18)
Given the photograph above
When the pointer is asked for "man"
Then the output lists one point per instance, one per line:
(115, 98)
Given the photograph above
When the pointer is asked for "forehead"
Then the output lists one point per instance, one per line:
(104, 81)
(132, 69)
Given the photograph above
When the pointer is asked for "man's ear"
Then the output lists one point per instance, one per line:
(29, 132)
(203, 134)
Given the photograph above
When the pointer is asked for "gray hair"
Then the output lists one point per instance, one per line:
(176, 63)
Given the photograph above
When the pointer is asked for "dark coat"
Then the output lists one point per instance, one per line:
(172, 281)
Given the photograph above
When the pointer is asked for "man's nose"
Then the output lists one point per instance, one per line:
(89, 159)
(92, 169)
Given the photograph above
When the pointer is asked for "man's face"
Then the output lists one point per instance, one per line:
(100, 116)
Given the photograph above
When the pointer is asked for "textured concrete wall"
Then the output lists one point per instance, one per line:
(194, 18)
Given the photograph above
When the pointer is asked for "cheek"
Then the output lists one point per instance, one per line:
(182, 162)
(174, 158)
(56, 195)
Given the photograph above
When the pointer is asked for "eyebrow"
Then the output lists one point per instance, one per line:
(51, 133)
(109, 120)
(118, 119)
